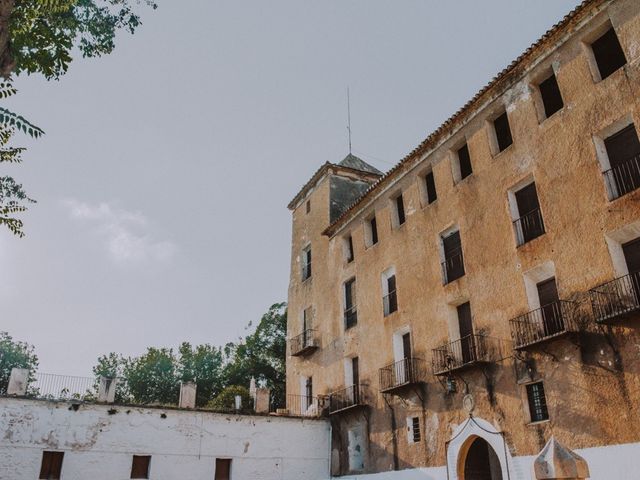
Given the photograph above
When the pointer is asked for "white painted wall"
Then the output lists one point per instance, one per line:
(184, 445)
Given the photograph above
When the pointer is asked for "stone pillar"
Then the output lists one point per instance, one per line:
(107, 390)
(18, 382)
(261, 400)
(187, 395)
(557, 462)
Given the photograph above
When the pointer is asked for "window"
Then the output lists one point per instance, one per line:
(608, 53)
(528, 224)
(430, 187)
(306, 263)
(223, 469)
(390, 298)
(307, 315)
(453, 265)
(348, 249)
(537, 402)
(51, 466)
(400, 216)
(467, 349)
(551, 96)
(308, 206)
(371, 231)
(413, 429)
(140, 466)
(623, 152)
(464, 163)
(308, 392)
(350, 311)
(503, 132)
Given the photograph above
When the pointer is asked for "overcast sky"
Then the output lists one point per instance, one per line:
(163, 178)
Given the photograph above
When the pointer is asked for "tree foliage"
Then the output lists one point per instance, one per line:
(225, 401)
(15, 354)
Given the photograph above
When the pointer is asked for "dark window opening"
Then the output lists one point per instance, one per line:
(306, 263)
(223, 469)
(430, 185)
(350, 310)
(623, 150)
(373, 225)
(467, 350)
(308, 207)
(390, 300)
(608, 53)
(551, 96)
(530, 224)
(140, 466)
(51, 467)
(550, 309)
(464, 160)
(537, 402)
(400, 209)
(415, 429)
(308, 393)
(453, 265)
(503, 132)
(350, 253)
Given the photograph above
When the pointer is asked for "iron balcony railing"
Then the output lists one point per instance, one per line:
(62, 387)
(544, 323)
(303, 406)
(390, 302)
(453, 267)
(350, 317)
(347, 398)
(623, 178)
(616, 298)
(468, 351)
(528, 227)
(404, 372)
(304, 343)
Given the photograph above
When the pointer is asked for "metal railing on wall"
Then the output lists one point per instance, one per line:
(616, 298)
(62, 387)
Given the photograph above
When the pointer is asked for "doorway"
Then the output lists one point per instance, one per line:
(481, 462)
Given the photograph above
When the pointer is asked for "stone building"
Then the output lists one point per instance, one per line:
(458, 310)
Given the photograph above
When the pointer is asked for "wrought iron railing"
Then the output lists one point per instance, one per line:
(468, 351)
(616, 298)
(345, 398)
(404, 372)
(390, 302)
(623, 178)
(453, 267)
(350, 317)
(544, 323)
(62, 387)
(528, 226)
(303, 406)
(304, 343)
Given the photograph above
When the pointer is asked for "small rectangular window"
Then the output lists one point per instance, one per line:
(349, 249)
(373, 226)
(453, 265)
(390, 299)
(308, 393)
(430, 186)
(51, 467)
(400, 210)
(308, 206)
(608, 53)
(140, 466)
(223, 469)
(415, 429)
(464, 161)
(306, 263)
(503, 132)
(551, 96)
(350, 310)
(530, 224)
(537, 402)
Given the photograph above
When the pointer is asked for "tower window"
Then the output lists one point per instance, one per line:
(430, 187)
(400, 215)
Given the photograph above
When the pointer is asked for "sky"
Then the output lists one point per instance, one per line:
(164, 175)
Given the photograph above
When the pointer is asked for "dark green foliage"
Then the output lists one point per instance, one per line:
(203, 365)
(152, 377)
(226, 400)
(14, 354)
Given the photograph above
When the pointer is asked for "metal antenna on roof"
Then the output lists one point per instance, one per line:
(349, 118)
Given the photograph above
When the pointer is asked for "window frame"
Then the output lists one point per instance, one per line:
(596, 35)
(543, 409)
(306, 262)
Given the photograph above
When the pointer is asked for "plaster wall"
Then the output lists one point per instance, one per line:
(98, 442)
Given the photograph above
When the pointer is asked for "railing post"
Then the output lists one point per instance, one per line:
(107, 389)
(187, 395)
(18, 382)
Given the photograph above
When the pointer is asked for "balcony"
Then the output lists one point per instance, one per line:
(453, 267)
(623, 178)
(346, 399)
(528, 227)
(614, 300)
(350, 318)
(302, 406)
(468, 352)
(551, 321)
(408, 371)
(304, 344)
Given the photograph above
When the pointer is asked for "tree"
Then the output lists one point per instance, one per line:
(225, 401)
(204, 365)
(152, 377)
(262, 354)
(14, 354)
(112, 366)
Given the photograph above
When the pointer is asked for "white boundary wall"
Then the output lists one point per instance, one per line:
(98, 445)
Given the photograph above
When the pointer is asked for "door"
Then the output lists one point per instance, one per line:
(623, 149)
(552, 321)
(454, 264)
(404, 367)
(355, 373)
(531, 225)
(467, 343)
(223, 469)
(481, 462)
(308, 393)
(631, 252)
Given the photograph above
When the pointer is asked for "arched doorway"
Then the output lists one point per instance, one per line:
(481, 462)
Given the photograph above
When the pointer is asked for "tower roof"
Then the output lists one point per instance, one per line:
(356, 163)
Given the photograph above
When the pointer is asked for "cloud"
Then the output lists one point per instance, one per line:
(125, 235)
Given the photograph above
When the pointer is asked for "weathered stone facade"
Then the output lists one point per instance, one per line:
(591, 377)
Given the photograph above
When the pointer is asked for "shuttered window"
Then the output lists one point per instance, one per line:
(51, 467)
(608, 53)
(306, 263)
(503, 132)
(350, 311)
(453, 265)
(551, 96)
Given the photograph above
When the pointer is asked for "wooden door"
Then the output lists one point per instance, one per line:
(550, 308)
(465, 325)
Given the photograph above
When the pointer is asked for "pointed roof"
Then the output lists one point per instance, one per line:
(356, 163)
(557, 461)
